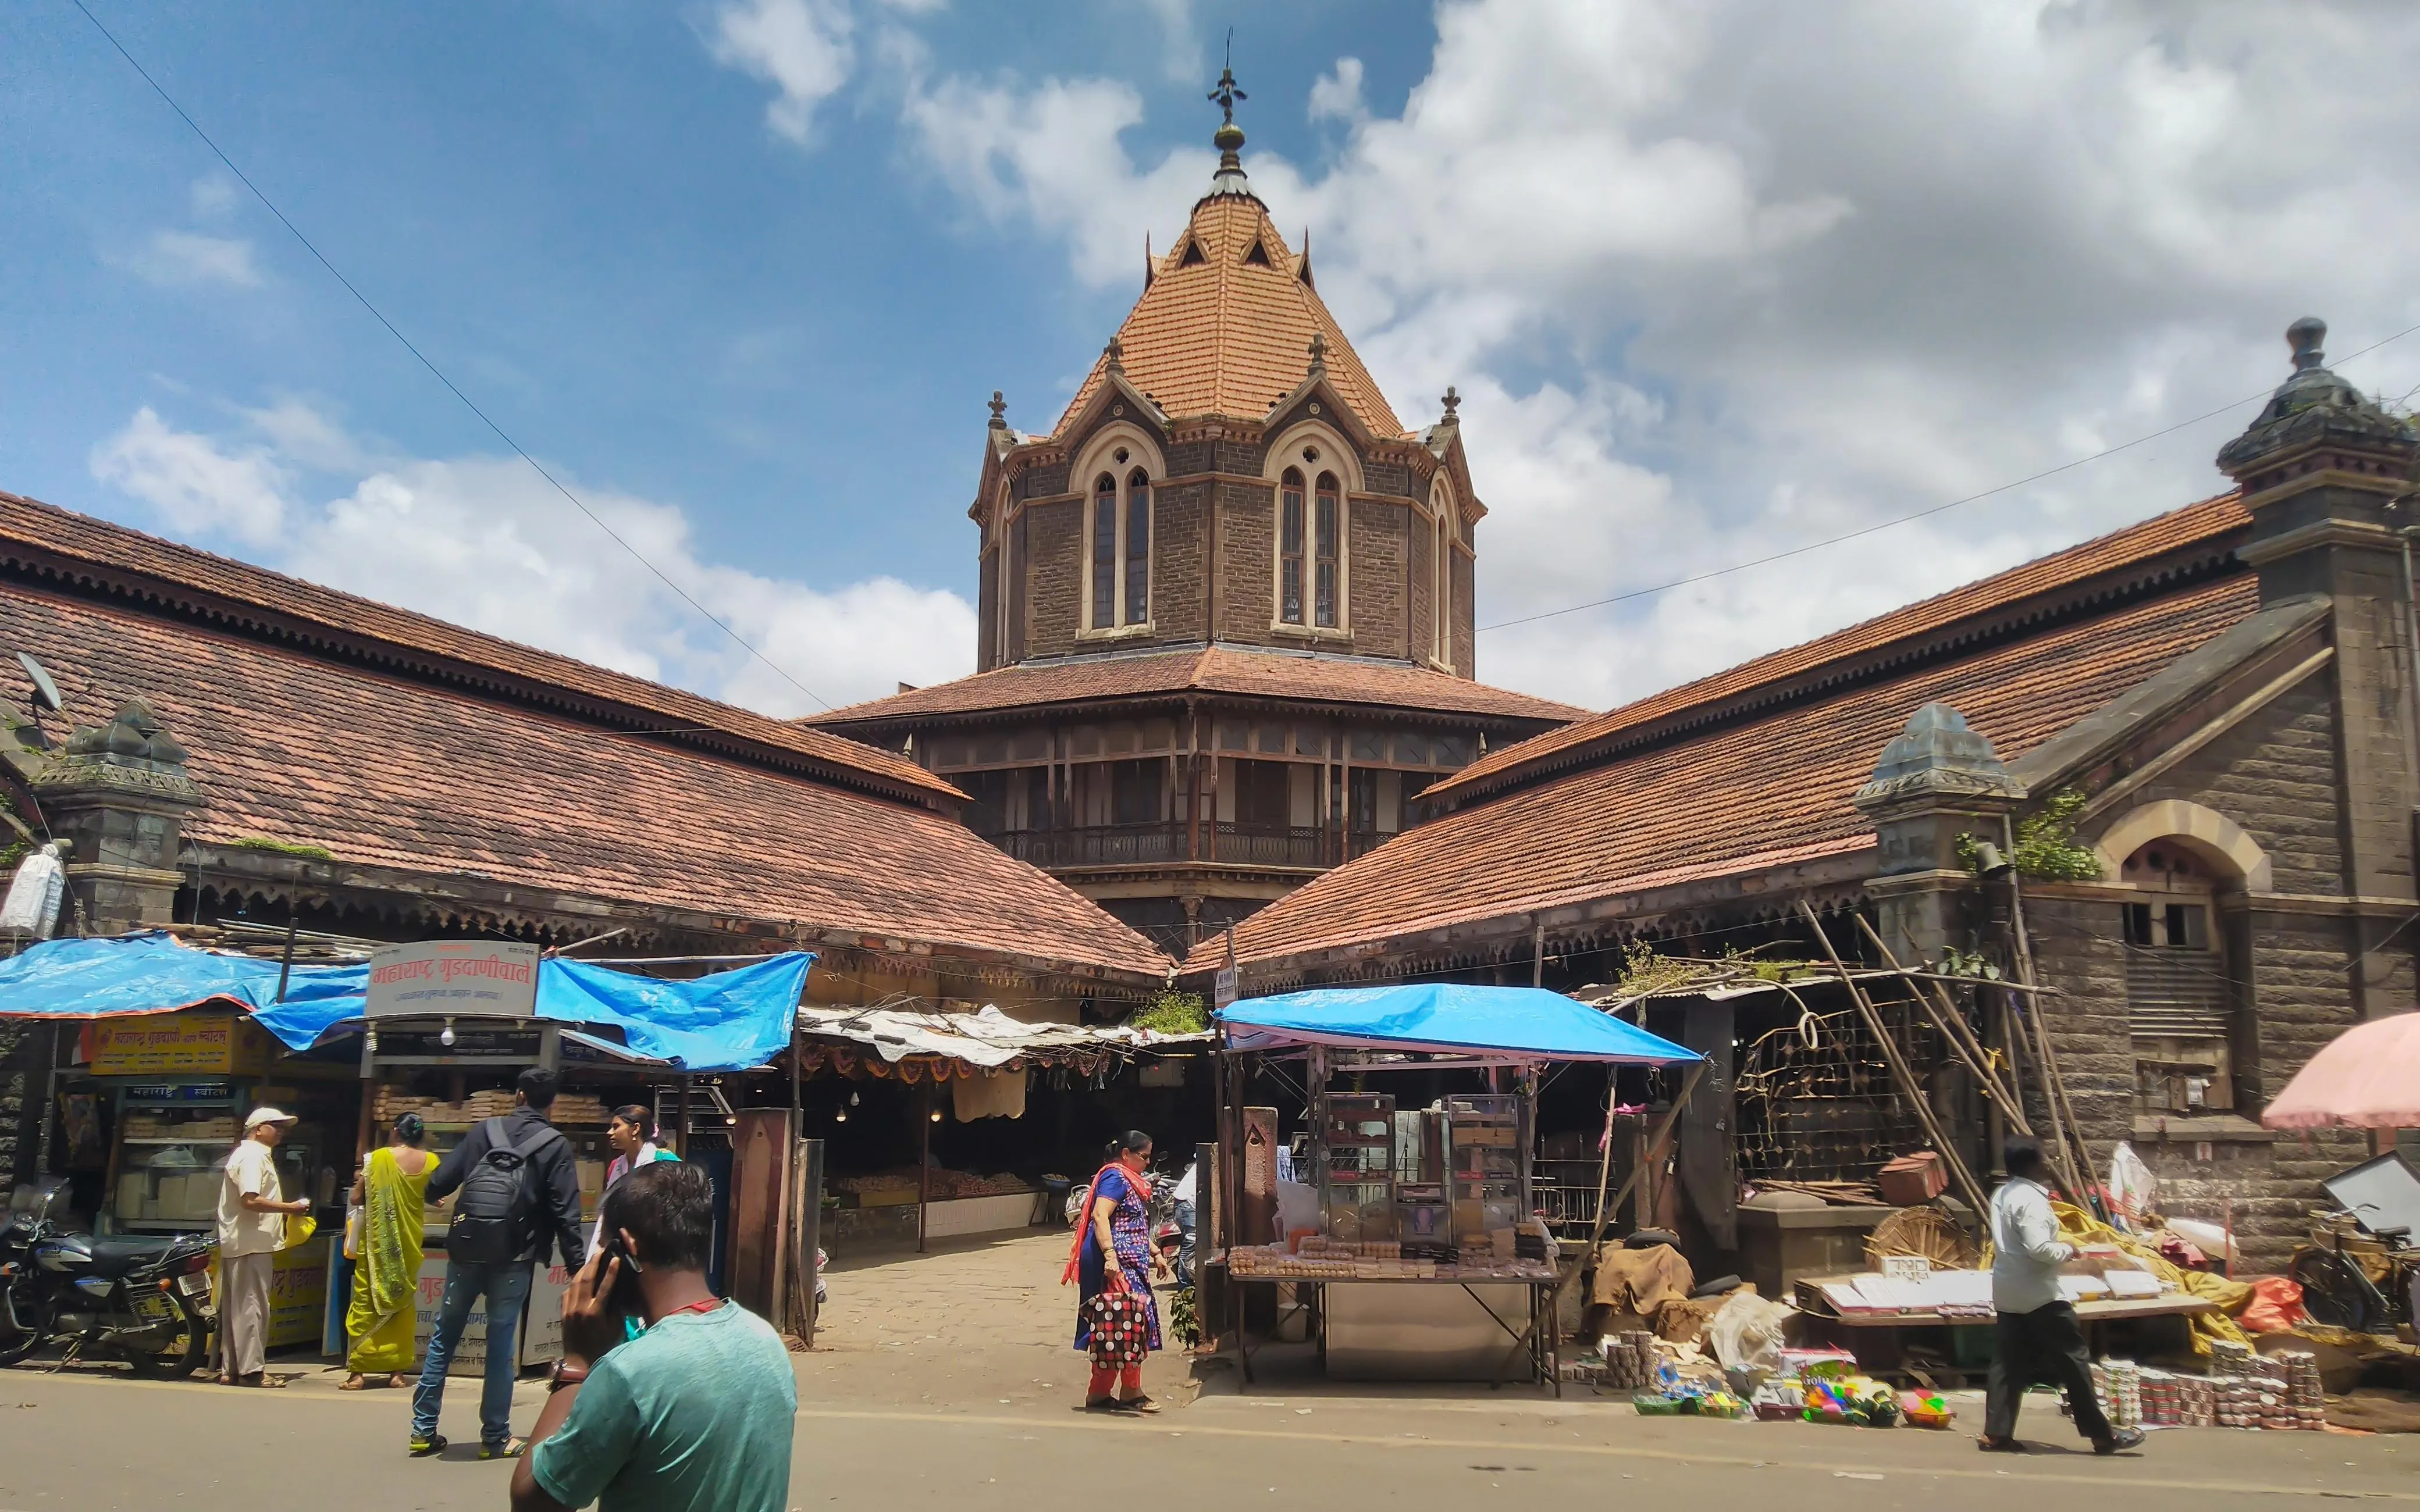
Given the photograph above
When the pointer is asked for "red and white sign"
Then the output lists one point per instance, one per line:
(493, 978)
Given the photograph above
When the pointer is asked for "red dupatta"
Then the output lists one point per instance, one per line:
(1135, 1179)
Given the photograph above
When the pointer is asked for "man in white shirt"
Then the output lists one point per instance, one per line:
(1184, 1194)
(2038, 1336)
(252, 1222)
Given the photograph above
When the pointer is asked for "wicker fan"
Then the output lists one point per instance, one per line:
(1925, 1232)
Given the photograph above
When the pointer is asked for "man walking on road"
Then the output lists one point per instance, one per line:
(691, 1415)
(519, 1196)
(2039, 1337)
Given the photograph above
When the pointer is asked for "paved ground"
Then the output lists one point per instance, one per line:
(947, 1380)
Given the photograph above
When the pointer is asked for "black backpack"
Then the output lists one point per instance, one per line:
(491, 1213)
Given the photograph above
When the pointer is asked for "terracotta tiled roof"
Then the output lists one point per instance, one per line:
(1751, 793)
(1221, 336)
(1978, 605)
(1215, 670)
(50, 541)
(392, 771)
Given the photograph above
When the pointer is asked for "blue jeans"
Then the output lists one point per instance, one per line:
(505, 1287)
(1185, 1249)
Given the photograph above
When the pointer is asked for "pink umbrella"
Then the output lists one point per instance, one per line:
(2367, 1077)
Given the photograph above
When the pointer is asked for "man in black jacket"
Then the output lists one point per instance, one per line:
(551, 1209)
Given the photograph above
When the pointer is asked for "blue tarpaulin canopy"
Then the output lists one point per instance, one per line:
(1527, 1024)
(729, 1021)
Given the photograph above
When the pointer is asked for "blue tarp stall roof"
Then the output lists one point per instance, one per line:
(729, 1021)
(1525, 1024)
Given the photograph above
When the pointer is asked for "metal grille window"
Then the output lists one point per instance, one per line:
(1330, 527)
(1137, 549)
(1120, 556)
(1104, 552)
(2179, 1001)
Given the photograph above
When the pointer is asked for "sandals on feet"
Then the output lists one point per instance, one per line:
(1137, 1404)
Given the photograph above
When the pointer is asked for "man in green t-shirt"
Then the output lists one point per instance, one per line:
(634, 1426)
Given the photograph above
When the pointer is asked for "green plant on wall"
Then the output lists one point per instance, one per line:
(1172, 1013)
(2047, 848)
(283, 847)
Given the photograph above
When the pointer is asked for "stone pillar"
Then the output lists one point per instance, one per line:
(1936, 781)
(119, 793)
(2325, 475)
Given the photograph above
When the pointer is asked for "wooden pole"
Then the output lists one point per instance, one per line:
(683, 1132)
(2053, 1078)
(1909, 1087)
(1953, 1028)
(1605, 1210)
(924, 1163)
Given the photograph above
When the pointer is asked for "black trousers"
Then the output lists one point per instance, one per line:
(2044, 1347)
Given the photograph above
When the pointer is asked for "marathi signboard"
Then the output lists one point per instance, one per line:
(540, 1335)
(172, 1044)
(495, 979)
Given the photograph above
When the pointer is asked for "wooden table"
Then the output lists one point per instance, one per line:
(1885, 1350)
(1538, 1341)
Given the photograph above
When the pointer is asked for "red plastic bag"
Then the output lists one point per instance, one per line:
(2277, 1306)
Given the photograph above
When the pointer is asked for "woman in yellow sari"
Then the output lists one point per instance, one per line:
(393, 1194)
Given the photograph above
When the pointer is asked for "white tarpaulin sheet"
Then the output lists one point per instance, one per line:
(987, 1036)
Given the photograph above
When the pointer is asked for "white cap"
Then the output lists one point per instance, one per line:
(261, 1115)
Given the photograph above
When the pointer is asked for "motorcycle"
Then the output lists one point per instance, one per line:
(145, 1300)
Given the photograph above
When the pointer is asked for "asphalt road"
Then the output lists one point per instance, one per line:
(947, 1381)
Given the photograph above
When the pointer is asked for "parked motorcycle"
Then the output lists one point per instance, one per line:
(145, 1300)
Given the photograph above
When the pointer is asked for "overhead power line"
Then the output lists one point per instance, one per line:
(434, 370)
(1921, 514)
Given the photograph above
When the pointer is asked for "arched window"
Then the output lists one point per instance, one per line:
(1441, 597)
(1290, 547)
(1329, 532)
(1104, 552)
(1118, 557)
(1138, 555)
(2180, 995)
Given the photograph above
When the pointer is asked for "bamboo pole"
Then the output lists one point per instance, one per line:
(1603, 1207)
(2054, 1080)
(1909, 1087)
(1954, 1030)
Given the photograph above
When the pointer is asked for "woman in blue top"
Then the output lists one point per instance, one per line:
(1117, 1222)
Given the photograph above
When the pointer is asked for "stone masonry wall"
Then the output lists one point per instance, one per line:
(2277, 777)
(1465, 640)
(1054, 575)
(1377, 546)
(1179, 548)
(1420, 606)
(1247, 566)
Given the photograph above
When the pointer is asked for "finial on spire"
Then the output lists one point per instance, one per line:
(1229, 138)
(2305, 336)
(1453, 402)
(999, 411)
(1116, 352)
(1319, 351)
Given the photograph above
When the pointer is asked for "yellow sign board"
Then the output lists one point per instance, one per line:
(162, 1044)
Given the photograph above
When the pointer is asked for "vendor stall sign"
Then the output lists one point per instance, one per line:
(540, 1331)
(495, 979)
(158, 1045)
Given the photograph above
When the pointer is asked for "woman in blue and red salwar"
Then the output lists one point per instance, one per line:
(1116, 1222)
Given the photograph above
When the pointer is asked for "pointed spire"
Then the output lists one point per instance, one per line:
(999, 411)
(1302, 265)
(1453, 402)
(1146, 260)
(1229, 138)
(1319, 354)
(1116, 353)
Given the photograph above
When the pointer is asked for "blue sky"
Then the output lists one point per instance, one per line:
(1717, 278)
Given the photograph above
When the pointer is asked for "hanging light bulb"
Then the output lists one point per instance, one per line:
(937, 1114)
(842, 1116)
(852, 1100)
(446, 1038)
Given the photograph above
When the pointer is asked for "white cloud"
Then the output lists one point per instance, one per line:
(486, 542)
(1724, 278)
(198, 487)
(800, 47)
(213, 194)
(1181, 39)
(176, 258)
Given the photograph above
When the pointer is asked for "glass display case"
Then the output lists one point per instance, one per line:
(1487, 1178)
(1356, 1153)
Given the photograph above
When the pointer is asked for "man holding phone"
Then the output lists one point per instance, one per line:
(632, 1425)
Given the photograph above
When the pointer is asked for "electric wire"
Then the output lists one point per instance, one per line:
(1902, 520)
(434, 370)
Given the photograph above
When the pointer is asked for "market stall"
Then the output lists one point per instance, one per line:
(936, 1069)
(1410, 1238)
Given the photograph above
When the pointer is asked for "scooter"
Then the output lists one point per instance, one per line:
(147, 1301)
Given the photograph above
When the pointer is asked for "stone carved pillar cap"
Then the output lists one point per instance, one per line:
(1937, 756)
(132, 753)
(2312, 405)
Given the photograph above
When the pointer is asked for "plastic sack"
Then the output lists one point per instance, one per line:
(353, 1231)
(2208, 1237)
(32, 906)
(2133, 1191)
(2277, 1306)
(1748, 1330)
(1298, 1207)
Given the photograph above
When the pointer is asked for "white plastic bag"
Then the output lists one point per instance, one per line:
(1747, 1331)
(2133, 1190)
(34, 895)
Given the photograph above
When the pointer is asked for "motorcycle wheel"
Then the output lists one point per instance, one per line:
(16, 1344)
(185, 1347)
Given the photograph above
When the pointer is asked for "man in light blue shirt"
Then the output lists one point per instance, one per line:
(2039, 1335)
(692, 1415)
